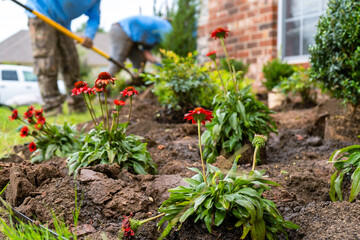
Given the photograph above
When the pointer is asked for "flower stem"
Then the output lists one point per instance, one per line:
(102, 112)
(130, 109)
(118, 118)
(222, 82)
(87, 105)
(93, 110)
(228, 61)
(107, 112)
(201, 154)
(254, 158)
(152, 218)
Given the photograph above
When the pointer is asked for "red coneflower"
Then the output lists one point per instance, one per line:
(79, 88)
(14, 115)
(104, 79)
(220, 33)
(199, 114)
(126, 226)
(38, 113)
(129, 91)
(119, 102)
(212, 55)
(29, 113)
(32, 146)
(24, 131)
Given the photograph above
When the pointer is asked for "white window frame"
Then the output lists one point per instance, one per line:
(281, 37)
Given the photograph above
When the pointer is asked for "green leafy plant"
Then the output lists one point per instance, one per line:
(238, 196)
(300, 82)
(181, 82)
(239, 66)
(238, 117)
(127, 151)
(275, 70)
(49, 139)
(108, 144)
(347, 164)
(335, 55)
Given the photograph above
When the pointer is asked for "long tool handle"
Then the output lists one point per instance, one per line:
(72, 35)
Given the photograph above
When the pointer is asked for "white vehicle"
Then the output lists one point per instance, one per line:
(19, 86)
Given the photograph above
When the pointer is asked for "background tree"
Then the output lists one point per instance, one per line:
(335, 57)
(182, 39)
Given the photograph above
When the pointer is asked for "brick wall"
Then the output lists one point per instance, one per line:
(253, 36)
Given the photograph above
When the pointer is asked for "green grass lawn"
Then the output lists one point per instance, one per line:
(9, 130)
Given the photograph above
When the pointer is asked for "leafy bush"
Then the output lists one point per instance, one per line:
(237, 64)
(238, 117)
(273, 72)
(127, 151)
(63, 141)
(49, 140)
(335, 54)
(239, 196)
(299, 82)
(181, 82)
(347, 163)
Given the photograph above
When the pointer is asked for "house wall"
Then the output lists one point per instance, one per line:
(253, 31)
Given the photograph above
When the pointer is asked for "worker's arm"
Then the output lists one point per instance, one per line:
(150, 57)
(92, 24)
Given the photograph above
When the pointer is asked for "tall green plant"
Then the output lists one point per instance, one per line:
(335, 56)
(182, 39)
(274, 71)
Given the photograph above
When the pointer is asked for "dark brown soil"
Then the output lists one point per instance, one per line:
(296, 158)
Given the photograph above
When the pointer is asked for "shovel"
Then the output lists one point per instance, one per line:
(72, 35)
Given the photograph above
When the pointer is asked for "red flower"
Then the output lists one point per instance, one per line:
(29, 113)
(220, 33)
(14, 115)
(212, 55)
(129, 91)
(38, 113)
(41, 120)
(199, 114)
(104, 79)
(119, 103)
(39, 125)
(24, 131)
(80, 87)
(32, 146)
(126, 226)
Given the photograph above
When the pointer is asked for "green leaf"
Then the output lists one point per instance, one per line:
(191, 182)
(332, 191)
(338, 185)
(207, 221)
(219, 217)
(258, 230)
(355, 187)
(111, 155)
(187, 214)
(49, 153)
(233, 121)
(200, 200)
(246, 229)
(138, 168)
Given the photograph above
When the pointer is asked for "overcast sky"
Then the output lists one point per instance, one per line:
(13, 18)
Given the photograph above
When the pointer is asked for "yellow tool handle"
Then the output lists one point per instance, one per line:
(67, 32)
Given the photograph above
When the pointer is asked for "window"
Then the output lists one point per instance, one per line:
(9, 75)
(29, 76)
(298, 20)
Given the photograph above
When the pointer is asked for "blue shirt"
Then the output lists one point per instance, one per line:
(64, 11)
(146, 30)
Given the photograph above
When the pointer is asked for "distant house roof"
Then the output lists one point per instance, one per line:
(17, 49)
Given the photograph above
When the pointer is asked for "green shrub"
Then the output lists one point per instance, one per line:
(182, 82)
(299, 82)
(127, 151)
(235, 195)
(273, 72)
(336, 52)
(237, 64)
(347, 164)
(238, 117)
